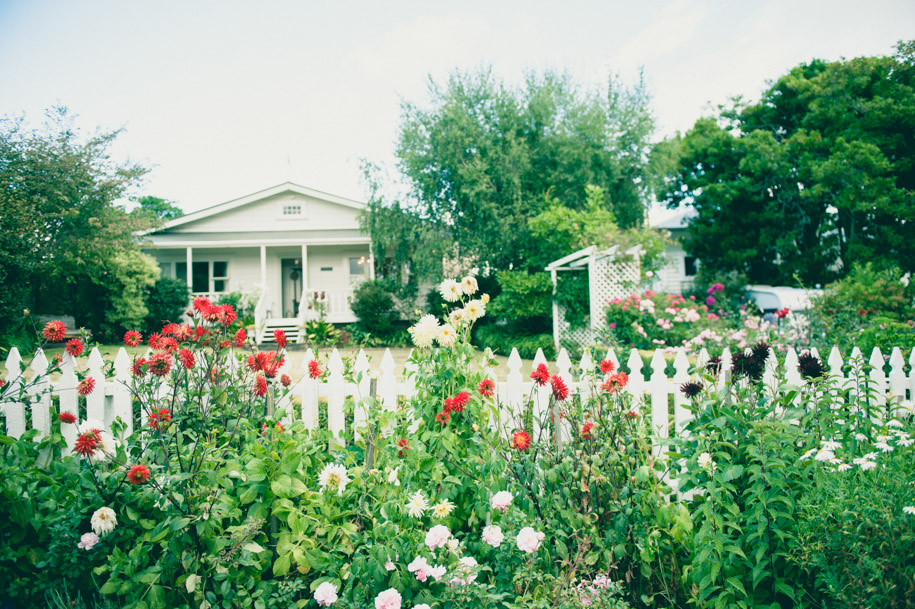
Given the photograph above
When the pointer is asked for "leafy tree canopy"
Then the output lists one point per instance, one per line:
(66, 246)
(818, 175)
(483, 158)
(155, 208)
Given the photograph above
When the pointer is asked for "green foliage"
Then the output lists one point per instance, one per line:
(502, 340)
(166, 301)
(810, 179)
(483, 158)
(65, 247)
(868, 308)
(133, 273)
(524, 299)
(155, 209)
(375, 310)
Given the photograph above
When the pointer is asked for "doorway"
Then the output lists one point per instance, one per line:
(291, 269)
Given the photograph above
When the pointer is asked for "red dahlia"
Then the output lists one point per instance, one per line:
(443, 417)
(487, 388)
(159, 418)
(55, 331)
(155, 341)
(459, 401)
(403, 445)
(86, 443)
(273, 361)
(74, 347)
(314, 370)
(132, 338)
(138, 474)
(186, 357)
(285, 380)
(278, 427)
(560, 389)
(139, 366)
(160, 364)
(227, 315)
(586, 430)
(615, 382)
(607, 366)
(202, 304)
(241, 337)
(280, 337)
(541, 375)
(86, 386)
(521, 440)
(260, 385)
(67, 417)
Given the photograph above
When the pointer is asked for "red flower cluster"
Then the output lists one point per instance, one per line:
(224, 314)
(521, 440)
(159, 419)
(487, 388)
(285, 380)
(260, 385)
(443, 417)
(241, 337)
(560, 389)
(403, 447)
(160, 364)
(280, 337)
(74, 347)
(615, 383)
(278, 427)
(541, 375)
(138, 474)
(782, 313)
(457, 403)
(132, 338)
(86, 386)
(186, 357)
(87, 443)
(586, 430)
(67, 417)
(632, 414)
(314, 370)
(268, 362)
(607, 366)
(139, 366)
(55, 331)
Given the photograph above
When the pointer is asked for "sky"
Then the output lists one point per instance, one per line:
(221, 99)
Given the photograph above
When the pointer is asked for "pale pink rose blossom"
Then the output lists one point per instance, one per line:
(437, 536)
(87, 541)
(389, 599)
(437, 572)
(529, 540)
(389, 565)
(326, 594)
(420, 568)
(501, 501)
(493, 535)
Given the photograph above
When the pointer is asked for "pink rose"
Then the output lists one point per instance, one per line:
(529, 540)
(437, 536)
(501, 501)
(87, 541)
(389, 599)
(326, 594)
(420, 568)
(493, 536)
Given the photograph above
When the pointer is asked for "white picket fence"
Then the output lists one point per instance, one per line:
(515, 393)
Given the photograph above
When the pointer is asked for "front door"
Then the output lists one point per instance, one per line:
(292, 286)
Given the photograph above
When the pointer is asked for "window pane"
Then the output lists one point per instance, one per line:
(181, 270)
(689, 266)
(219, 285)
(220, 269)
(200, 281)
(357, 266)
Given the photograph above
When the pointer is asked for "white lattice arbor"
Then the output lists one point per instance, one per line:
(611, 274)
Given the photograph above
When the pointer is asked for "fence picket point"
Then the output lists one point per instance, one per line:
(40, 393)
(13, 408)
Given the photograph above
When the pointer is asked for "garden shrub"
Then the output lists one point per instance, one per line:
(166, 301)
(502, 340)
(375, 309)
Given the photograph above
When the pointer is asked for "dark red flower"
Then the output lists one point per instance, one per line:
(155, 341)
(285, 380)
(139, 366)
(169, 329)
(691, 388)
(607, 366)
(86, 386)
(862, 312)
(487, 388)
(256, 361)
(560, 389)
(132, 338)
(541, 375)
(55, 331)
(202, 304)
(278, 427)
(632, 414)
(314, 370)
(260, 385)
(782, 313)
(138, 474)
(586, 430)
(273, 361)
(615, 382)
(404, 447)
(459, 401)
(241, 337)
(160, 364)
(159, 419)
(443, 417)
(182, 332)
(227, 315)
(67, 417)
(200, 333)
(186, 357)
(212, 314)
(168, 343)
(74, 347)
(280, 337)
(86, 443)
(521, 440)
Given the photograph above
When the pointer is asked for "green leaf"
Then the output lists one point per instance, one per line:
(253, 547)
(282, 564)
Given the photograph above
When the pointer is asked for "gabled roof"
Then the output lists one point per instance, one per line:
(253, 197)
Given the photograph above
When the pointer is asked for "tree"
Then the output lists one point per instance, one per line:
(483, 158)
(66, 247)
(156, 209)
(818, 175)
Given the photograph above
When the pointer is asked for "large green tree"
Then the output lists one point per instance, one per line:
(66, 246)
(817, 175)
(482, 158)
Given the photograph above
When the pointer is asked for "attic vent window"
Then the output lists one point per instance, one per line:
(292, 210)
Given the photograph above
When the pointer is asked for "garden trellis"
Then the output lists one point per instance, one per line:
(112, 396)
(611, 274)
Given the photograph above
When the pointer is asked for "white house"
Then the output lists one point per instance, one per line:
(299, 251)
(679, 271)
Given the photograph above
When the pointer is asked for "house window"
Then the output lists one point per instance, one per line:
(690, 265)
(205, 276)
(165, 269)
(357, 265)
(292, 210)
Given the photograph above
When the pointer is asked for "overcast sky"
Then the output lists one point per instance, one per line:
(222, 99)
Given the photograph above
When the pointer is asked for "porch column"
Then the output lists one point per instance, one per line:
(189, 258)
(304, 270)
(264, 268)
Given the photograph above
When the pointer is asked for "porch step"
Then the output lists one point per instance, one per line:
(289, 325)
